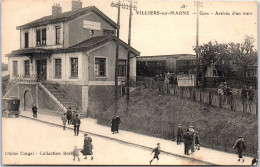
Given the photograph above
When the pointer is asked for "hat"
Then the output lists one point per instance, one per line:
(191, 126)
(240, 137)
(179, 124)
(85, 134)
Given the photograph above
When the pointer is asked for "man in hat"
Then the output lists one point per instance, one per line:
(76, 124)
(240, 145)
(187, 141)
(193, 136)
(118, 121)
(69, 115)
(179, 134)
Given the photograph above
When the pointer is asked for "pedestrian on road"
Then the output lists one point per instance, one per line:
(240, 145)
(255, 160)
(187, 142)
(69, 115)
(179, 134)
(113, 124)
(156, 152)
(73, 117)
(193, 136)
(34, 110)
(118, 121)
(75, 153)
(76, 124)
(87, 148)
(197, 140)
(64, 120)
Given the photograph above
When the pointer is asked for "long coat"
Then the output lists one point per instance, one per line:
(240, 145)
(187, 138)
(69, 114)
(179, 131)
(34, 109)
(113, 124)
(87, 148)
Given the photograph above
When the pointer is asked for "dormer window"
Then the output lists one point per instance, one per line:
(41, 37)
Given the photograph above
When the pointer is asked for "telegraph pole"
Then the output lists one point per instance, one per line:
(129, 48)
(128, 56)
(117, 48)
(198, 4)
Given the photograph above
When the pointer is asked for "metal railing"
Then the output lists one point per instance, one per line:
(21, 78)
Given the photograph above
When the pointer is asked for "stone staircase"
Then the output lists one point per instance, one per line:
(61, 96)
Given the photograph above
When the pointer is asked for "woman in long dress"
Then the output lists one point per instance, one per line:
(87, 148)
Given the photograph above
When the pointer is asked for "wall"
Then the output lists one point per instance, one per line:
(20, 60)
(108, 51)
(45, 102)
(100, 98)
(74, 92)
(76, 32)
(50, 36)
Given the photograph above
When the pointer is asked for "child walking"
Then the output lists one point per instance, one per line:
(75, 153)
(64, 120)
(156, 153)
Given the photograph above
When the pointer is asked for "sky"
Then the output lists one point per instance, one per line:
(151, 34)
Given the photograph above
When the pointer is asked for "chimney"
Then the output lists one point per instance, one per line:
(56, 9)
(76, 5)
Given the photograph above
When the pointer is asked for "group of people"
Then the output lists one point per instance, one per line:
(115, 122)
(224, 89)
(191, 141)
(73, 118)
(247, 93)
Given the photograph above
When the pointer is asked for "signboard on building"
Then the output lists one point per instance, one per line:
(186, 80)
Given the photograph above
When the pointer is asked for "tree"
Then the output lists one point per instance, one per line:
(243, 54)
(222, 55)
(212, 52)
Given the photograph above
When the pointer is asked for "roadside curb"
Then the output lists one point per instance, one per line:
(124, 142)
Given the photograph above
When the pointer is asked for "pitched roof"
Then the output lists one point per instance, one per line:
(95, 42)
(63, 17)
(82, 46)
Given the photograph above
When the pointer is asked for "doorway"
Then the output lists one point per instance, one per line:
(41, 70)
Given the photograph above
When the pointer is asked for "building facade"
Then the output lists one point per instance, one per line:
(68, 59)
(161, 64)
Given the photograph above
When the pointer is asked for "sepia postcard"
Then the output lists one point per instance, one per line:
(129, 82)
